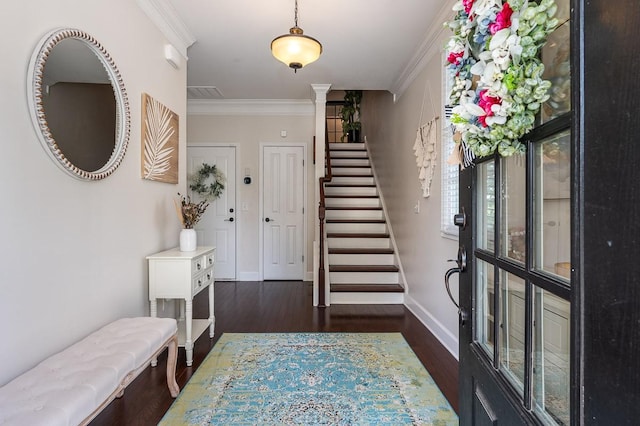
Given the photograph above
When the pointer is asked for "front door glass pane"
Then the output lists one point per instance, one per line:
(551, 357)
(514, 207)
(512, 328)
(486, 205)
(552, 200)
(484, 301)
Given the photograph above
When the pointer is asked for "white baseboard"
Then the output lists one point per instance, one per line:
(255, 276)
(445, 337)
(248, 276)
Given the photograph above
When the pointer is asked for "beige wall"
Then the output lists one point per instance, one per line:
(73, 252)
(390, 129)
(248, 133)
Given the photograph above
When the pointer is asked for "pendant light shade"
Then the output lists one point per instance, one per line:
(296, 49)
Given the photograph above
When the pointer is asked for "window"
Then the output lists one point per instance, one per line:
(449, 173)
(334, 121)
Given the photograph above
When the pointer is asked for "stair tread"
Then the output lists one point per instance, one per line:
(357, 235)
(353, 166)
(360, 175)
(351, 208)
(367, 288)
(337, 157)
(360, 250)
(363, 268)
(355, 221)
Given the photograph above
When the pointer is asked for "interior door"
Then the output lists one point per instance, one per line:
(218, 225)
(283, 212)
(516, 337)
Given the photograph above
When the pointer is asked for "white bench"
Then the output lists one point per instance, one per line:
(73, 386)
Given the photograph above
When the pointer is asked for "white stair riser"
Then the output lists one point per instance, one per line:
(352, 202)
(353, 214)
(347, 190)
(349, 145)
(352, 180)
(356, 228)
(361, 259)
(351, 170)
(350, 154)
(363, 277)
(344, 298)
(358, 242)
(350, 162)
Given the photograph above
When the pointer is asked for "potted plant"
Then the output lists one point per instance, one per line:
(350, 115)
(189, 214)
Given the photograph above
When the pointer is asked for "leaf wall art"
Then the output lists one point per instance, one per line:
(159, 141)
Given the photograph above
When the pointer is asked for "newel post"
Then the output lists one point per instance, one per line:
(320, 91)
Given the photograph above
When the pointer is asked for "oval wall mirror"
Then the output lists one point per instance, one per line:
(78, 104)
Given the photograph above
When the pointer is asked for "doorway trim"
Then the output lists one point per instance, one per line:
(237, 177)
(304, 200)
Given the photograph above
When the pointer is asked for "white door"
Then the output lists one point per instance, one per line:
(283, 218)
(218, 225)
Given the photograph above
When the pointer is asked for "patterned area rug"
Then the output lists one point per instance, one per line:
(311, 379)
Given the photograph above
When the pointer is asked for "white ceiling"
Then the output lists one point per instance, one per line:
(367, 44)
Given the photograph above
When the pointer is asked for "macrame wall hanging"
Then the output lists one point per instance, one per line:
(425, 148)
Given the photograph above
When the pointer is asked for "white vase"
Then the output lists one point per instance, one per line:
(188, 240)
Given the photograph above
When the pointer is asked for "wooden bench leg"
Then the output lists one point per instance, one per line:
(172, 358)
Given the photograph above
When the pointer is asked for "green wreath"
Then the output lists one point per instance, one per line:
(210, 191)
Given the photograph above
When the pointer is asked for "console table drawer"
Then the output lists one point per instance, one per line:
(202, 281)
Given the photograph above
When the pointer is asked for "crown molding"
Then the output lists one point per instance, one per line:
(425, 52)
(166, 18)
(255, 107)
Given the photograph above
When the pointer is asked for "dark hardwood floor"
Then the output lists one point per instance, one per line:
(277, 306)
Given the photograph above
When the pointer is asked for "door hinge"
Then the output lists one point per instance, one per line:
(303, 258)
(303, 210)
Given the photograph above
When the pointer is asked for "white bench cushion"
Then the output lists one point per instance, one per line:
(69, 386)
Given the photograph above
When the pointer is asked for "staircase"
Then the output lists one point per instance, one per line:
(362, 262)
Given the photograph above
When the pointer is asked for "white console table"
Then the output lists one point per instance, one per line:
(175, 274)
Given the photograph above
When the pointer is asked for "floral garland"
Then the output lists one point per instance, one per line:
(498, 87)
(214, 189)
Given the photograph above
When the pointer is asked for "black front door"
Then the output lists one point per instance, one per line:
(516, 291)
(550, 296)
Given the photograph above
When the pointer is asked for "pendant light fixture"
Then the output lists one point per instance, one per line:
(296, 49)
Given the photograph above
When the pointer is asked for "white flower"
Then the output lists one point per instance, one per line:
(474, 109)
(492, 76)
(483, 7)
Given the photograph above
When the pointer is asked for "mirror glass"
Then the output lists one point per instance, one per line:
(79, 104)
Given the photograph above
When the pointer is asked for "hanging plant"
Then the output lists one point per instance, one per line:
(207, 173)
(498, 87)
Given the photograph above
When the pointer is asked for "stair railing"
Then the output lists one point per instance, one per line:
(321, 217)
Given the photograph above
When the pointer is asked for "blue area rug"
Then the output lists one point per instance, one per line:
(311, 379)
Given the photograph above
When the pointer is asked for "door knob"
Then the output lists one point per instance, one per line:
(461, 263)
(269, 220)
(229, 220)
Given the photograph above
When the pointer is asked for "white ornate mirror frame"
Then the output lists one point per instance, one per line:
(35, 87)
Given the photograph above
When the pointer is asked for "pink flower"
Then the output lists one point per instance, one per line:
(486, 102)
(468, 4)
(455, 57)
(503, 19)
